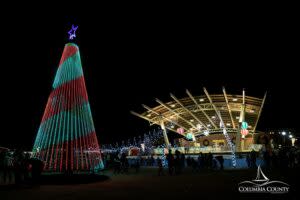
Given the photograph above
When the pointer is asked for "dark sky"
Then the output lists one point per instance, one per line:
(130, 58)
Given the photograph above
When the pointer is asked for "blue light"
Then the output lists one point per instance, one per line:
(189, 136)
(71, 32)
(244, 125)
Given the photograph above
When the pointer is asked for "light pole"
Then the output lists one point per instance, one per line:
(292, 139)
(283, 133)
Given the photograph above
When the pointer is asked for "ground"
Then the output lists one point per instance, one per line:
(148, 185)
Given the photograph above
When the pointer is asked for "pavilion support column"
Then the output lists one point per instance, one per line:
(238, 142)
(242, 144)
(162, 125)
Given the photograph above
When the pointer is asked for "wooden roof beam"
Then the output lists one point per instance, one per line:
(228, 107)
(260, 110)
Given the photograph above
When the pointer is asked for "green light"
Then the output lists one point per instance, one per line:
(244, 125)
(189, 136)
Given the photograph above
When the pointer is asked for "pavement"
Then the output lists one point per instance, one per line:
(146, 184)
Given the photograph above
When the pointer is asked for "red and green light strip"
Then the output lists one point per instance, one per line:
(66, 139)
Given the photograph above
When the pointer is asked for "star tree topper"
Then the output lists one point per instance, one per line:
(71, 32)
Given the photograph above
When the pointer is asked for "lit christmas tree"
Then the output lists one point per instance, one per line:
(66, 139)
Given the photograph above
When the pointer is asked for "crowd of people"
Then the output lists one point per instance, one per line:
(18, 168)
(179, 161)
(175, 163)
(282, 159)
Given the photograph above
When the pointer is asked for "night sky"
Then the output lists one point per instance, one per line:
(131, 58)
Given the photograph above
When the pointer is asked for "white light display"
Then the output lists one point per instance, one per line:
(206, 132)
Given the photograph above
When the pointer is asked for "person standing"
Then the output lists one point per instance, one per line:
(160, 167)
(170, 159)
(253, 159)
(221, 161)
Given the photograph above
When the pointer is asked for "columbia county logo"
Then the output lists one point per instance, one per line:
(263, 185)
